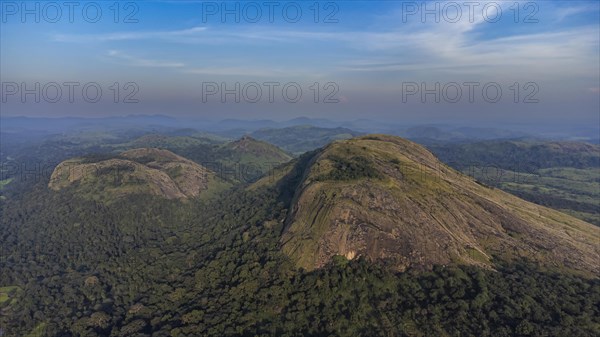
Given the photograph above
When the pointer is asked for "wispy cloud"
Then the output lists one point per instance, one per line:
(563, 13)
(463, 48)
(533, 51)
(214, 69)
(143, 62)
(235, 71)
(173, 35)
(397, 46)
(199, 35)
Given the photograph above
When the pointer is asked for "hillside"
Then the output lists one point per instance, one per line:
(561, 175)
(386, 198)
(427, 134)
(523, 155)
(166, 142)
(250, 150)
(138, 171)
(242, 160)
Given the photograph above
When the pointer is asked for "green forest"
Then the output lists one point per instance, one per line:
(353, 168)
(153, 267)
(560, 175)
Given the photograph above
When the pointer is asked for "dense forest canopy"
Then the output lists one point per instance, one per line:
(149, 266)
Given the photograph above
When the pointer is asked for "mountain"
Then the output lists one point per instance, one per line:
(524, 154)
(250, 150)
(63, 124)
(148, 265)
(242, 160)
(252, 125)
(387, 199)
(302, 138)
(444, 134)
(138, 171)
(167, 142)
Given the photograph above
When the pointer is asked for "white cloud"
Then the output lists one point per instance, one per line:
(143, 62)
(173, 35)
(414, 46)
(563, 13)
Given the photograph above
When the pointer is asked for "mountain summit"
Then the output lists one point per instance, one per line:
(138, 171)
(249, 148)
(386, 198)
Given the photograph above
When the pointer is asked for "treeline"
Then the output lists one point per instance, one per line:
(560, 175)
(522, 156)
(154, 267)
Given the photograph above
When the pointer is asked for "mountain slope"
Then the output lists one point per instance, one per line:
(386, 198)
(522, 154)
(435, 134)
(166, 142)
(250, 150)
(560, 175)
(138, 171)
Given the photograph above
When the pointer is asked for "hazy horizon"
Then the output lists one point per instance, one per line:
(368, 60)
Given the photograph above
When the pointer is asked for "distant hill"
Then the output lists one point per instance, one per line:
(563, 175)
(139, 171)
(242, 160)
(248, 149)
(532, 154)
(434, 134)
(62, 124)
(303, 138)
(386, 198)
(167, 142)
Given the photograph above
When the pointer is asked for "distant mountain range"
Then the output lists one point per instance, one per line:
(235, 128)
(303, 138)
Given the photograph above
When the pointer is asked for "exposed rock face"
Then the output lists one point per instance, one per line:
(385, 198)
(147, 170)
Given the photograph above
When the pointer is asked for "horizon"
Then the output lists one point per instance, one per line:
(589, 133)
(405, 61)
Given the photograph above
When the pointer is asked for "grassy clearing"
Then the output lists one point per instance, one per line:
(38, 331)
(5, 182)
(569, 190)
(6, 293)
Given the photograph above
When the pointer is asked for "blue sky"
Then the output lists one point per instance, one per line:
(372, 50)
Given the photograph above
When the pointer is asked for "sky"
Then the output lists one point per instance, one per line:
(472, 63)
